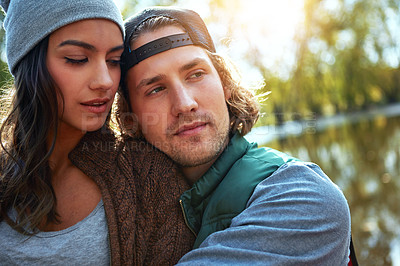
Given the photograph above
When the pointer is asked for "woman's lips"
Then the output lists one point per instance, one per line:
(96, 105)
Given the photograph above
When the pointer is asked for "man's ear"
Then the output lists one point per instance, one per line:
(227, 93)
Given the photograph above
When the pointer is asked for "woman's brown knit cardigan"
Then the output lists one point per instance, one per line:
(140, 188)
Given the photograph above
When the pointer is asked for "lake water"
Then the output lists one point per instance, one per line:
(361, 154)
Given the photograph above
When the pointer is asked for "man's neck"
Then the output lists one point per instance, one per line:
(192, 174)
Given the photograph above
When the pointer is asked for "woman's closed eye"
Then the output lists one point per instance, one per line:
(114, 61)
(78, 61)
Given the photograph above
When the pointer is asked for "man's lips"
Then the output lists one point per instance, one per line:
(190, 128)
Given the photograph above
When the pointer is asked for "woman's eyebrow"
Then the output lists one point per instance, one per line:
(88, 46)
(78, 43)
(116, 48)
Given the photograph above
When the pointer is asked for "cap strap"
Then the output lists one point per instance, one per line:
(156, 47)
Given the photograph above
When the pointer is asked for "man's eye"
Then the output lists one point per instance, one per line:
(156, 90)
(197, 75)
(75, 61)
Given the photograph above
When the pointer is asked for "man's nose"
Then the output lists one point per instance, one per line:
(183, 100)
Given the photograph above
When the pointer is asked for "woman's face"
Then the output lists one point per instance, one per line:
(83, 58)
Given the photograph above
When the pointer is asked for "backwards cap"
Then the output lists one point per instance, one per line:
(197, 33)
(27, 22)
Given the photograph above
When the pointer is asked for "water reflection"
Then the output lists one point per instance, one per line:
(363, 158)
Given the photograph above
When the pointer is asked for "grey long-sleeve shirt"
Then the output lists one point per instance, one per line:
(297, 216)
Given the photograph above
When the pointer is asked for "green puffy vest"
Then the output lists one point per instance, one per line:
(223, 191)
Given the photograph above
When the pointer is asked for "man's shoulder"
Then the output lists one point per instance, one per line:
(303, 180)
(252, 154)
(261, 161)
(268, 155)
(267, 167)
(301, 172)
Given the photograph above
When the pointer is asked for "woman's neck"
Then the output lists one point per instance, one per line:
(65, 142)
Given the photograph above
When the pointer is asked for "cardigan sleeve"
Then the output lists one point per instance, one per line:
(297, 216)
(162, 236)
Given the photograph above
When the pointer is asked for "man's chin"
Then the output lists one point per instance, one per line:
(193, 161)
(196, 155)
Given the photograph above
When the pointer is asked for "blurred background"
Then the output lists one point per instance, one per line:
(333, 70)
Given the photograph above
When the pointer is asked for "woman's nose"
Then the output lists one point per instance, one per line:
(102, 79)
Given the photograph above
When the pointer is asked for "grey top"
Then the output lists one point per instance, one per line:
(85, 243)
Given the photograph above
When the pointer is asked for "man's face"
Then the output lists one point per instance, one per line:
(179, 101)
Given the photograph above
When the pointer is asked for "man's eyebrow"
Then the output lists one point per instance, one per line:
(187, 66)
(78, 43)
(149, 81)
(191, 64)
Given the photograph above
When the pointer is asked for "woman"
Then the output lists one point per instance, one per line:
(70, 191)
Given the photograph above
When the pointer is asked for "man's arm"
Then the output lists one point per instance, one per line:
(297, 216)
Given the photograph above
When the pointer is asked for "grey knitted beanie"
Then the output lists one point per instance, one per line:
(27, 22)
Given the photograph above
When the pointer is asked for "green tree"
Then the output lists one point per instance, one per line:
(343, 59)
(5, 76)
(347, 57)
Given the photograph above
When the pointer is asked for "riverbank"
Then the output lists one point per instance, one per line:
(265, 134)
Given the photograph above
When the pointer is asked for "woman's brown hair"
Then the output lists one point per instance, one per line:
(26, 147)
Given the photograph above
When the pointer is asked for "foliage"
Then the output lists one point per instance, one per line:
(132, 6)
(347, 58)
(342, 59)
(5, 76)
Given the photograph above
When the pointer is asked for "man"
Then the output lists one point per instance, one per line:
(247, 205)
